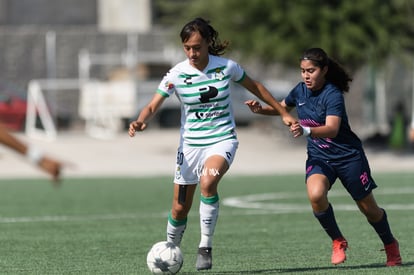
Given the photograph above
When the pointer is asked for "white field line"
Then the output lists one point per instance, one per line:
(253, 204)
(273, 202)
(78, 218)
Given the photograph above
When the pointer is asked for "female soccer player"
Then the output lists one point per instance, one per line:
(208, 140)
(334, 151)
(34, 155)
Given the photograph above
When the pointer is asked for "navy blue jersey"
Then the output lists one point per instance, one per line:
(312, 109)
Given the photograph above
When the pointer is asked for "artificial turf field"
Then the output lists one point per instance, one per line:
(106, 226)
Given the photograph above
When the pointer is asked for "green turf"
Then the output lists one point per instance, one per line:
(106, 226)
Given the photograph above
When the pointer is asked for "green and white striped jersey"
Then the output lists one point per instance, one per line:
(206, 110)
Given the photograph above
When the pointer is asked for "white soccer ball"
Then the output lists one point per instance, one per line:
(164, 258)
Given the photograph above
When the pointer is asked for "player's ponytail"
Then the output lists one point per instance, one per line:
(216, 47)
(336, 73)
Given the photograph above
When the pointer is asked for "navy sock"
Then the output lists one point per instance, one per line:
(328, 222)
(383, 229)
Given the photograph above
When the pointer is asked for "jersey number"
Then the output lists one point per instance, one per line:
(180, 158)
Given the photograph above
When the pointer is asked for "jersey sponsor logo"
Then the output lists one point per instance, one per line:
(209, 105)
(205, 115)
(301, 103)
(210, 93)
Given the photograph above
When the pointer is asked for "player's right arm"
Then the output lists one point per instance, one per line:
(146, 114)
(47, 164)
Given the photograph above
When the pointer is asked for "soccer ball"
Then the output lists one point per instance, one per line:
(164, 258)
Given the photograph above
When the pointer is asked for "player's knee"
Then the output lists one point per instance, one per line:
(179, 212)
(317, 197)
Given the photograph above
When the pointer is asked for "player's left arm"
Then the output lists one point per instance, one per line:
(259, 90)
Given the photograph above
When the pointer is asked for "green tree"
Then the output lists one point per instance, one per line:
(354, 32)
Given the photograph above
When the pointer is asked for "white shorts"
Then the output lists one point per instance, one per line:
(190, 160)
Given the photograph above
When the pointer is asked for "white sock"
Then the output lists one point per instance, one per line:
(175, 230)
(208, 220)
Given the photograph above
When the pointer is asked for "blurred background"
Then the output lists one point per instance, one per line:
(74, 73)
(88, 66)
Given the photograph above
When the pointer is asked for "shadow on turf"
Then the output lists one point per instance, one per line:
(304, 269)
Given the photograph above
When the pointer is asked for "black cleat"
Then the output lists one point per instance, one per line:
(204, 258)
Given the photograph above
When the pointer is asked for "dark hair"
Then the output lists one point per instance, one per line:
(207, 32)
(336, 73)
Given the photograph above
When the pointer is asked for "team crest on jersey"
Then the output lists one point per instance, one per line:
(218, 74)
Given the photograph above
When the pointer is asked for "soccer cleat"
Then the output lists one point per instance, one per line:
(393, 253)
(339, 247)
(204, 259)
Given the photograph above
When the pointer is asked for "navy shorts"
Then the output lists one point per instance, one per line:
(355, 174)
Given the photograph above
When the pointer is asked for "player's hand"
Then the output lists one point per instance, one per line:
(254, 105)
(52, 167)
(296, 129)
(136, 126)
(289, 120)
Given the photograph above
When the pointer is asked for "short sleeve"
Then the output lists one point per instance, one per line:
(166, 87)
(335, 103)
(291, 98)
(237, 72)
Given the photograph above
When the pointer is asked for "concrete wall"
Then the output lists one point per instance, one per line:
(124, 15)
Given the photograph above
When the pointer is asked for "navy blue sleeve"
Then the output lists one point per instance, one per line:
(335, 103)
(291, 98)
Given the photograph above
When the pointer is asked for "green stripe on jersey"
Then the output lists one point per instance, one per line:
(211, 127)
(211, 101)
(202, 82)
(209, 109)
(242, 78)
(187, 75)
(199, 93)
